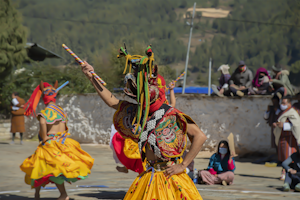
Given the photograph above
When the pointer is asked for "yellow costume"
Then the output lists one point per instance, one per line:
(153, 124)
(178, 186)
(59, 159)
(167, 139)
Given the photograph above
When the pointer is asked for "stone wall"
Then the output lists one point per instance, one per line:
(90, 119)
(5, 129)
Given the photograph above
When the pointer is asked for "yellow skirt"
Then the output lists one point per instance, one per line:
(177, 187)
(58, 160)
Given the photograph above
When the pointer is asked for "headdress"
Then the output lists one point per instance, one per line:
(142, 84)
(49, 93)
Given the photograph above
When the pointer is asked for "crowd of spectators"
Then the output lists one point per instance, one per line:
(282, 115)
(242, 82)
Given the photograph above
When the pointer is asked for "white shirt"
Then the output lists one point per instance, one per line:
(15, 102)
(287, 126)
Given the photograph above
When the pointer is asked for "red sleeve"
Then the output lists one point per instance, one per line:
(230, 165)
(212, 171)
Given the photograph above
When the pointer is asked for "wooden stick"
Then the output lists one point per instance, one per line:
(81, 62)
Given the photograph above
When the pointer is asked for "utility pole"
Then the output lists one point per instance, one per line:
(188, 50)
(209, 77)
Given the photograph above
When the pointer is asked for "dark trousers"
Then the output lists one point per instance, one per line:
(292, 179)
(14, 135)
(234, 90)
(280, 90)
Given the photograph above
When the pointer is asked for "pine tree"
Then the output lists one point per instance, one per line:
(12, 45)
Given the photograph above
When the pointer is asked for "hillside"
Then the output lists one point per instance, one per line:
(92, 28)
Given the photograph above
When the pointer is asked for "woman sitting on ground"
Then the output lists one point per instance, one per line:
(220, 168)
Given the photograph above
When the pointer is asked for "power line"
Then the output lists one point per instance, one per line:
(81, 21)
(126, 24)
(257, 22)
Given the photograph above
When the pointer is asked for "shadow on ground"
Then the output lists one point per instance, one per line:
(17, 197)
(281, 190)
(105, 195)
(255, 158)
(4, 142)
(255, 176)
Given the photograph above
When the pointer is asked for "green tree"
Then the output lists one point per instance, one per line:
(215, 3)
(12, 52)
(168, 73)
(183, 4)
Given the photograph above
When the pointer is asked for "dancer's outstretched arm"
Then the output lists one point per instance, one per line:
(172, 94)
(104, 93)
(197, 137)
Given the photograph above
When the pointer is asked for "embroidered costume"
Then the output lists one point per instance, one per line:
(157, 126)
(60, 158)
(126, 151)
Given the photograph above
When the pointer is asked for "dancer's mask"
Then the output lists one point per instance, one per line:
(44, 89)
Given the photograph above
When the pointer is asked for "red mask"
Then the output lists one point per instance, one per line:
(49, 94)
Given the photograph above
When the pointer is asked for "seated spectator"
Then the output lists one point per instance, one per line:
(220, 168)
(223, 81)
(241, 80)
(292, 179)
(260, 82)
(281, 82)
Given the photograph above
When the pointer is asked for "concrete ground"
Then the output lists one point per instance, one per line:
(252, 181)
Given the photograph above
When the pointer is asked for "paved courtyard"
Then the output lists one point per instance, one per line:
(252, 181)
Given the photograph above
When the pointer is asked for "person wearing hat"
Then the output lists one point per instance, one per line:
(223, 81)
(241, 80)
(281, 82)
(292, 179)
(287, 131)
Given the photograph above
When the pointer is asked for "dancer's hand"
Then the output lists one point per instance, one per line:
(172, 85)
(46, 139)
(292, 171)
(86, 68)
(174, 169)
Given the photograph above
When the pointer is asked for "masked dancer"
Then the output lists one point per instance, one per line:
(159, 128)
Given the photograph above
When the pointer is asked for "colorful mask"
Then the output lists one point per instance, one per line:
(142, 83)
